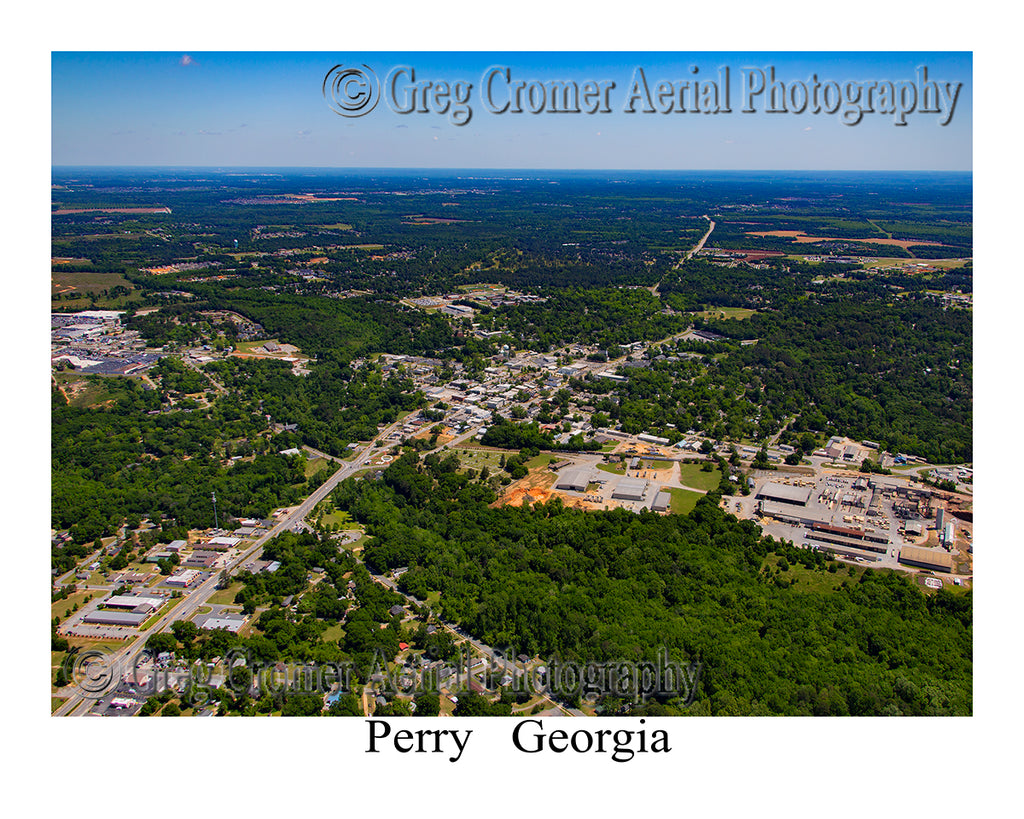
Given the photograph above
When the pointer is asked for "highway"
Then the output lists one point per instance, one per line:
(654, 288)
(122, 659)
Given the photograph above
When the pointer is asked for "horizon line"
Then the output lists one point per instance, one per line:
(523, 169)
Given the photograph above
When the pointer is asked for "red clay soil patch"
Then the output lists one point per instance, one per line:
(803, 239)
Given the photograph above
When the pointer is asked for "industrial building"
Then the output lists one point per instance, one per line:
(104, 617)
(662, 502)
(574, 481)
(948, 533)
(854, 538)
(784, 493)
(913, 528)
(926, 558)
(630, 489)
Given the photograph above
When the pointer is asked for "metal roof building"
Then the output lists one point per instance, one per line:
(574, 481)
(133, 603)
(927, 558)
(662, 502)
(630, 489)
(116, 618)
(226, 621)
(784, 493)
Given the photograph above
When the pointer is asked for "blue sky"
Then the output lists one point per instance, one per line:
(251, 109)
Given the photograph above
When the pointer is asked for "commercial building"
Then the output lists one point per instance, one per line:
(130, 602)
(225, 621)
(105, 617)
(184, 578)
(202, 560)
(575, 480)
(222, 543)
(630, 489)
(662, 502)
(784, 493)
(927, 558)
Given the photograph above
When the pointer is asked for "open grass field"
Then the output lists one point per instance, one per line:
(57, 658)
(225, 597)
(314, 465)
(59, 607)
(541, 461)
(738, 313)
(86, 390)
(815, 581)
(691, 475)
(657, 463)
(85, 281)
(683, 500)
(77, 289)
(479, 458)
(342, 519)
(333, 632)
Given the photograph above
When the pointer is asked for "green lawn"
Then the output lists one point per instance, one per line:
(656, 464)
(810, 580)
(614, 469)
(738, 313)
(249, 346)
(58, 607)
(223, 597)
(683, 500)
(691, 475)
(479, 458)
(315, 465)
(343, 519)
(333, 632)
(541, 461)
(358, 544)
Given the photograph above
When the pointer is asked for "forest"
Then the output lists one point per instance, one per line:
(805, 349)
(618, 585)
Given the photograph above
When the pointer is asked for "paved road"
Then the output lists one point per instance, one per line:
(123, 658)
(690, 254)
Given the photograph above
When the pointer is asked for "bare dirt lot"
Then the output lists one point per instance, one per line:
(803, 238)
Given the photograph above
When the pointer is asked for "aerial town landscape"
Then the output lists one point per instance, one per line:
(380, 444)
(532, 385)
